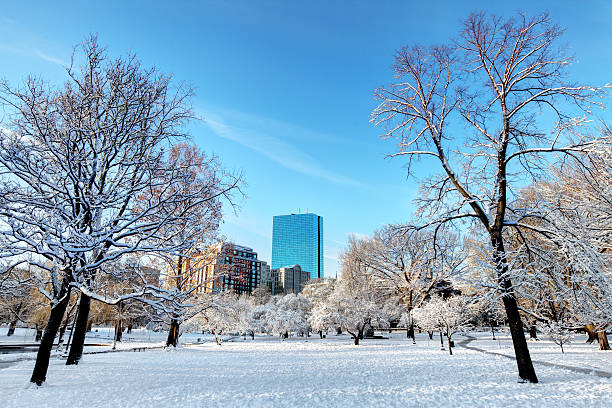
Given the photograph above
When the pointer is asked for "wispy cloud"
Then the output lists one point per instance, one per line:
(245, 130)
(50, 58)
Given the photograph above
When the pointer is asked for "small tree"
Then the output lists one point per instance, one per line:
(448, 315)
(558, 333)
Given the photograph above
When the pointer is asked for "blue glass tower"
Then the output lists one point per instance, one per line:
(298, 239)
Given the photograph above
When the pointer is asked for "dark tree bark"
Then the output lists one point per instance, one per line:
(62, 331)
(430, 333)
(12, 327)
(39, 374)
(173, 333)
(450, 345)
(521, 351)
(80, 330)
(321, 334)
(441, 341)
(410, 331)
(118, 330)
(533, 334)
(603, 340)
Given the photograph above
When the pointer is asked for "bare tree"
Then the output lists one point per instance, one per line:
(205, 186)
(410, 266)
(74, 162)
(486, 89)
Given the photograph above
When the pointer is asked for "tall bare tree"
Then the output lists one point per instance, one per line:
(489, 107)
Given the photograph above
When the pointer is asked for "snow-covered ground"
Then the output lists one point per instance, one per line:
(577, 353)
(326, 373)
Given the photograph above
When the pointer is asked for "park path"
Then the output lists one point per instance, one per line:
(600, 373)
(8, 363)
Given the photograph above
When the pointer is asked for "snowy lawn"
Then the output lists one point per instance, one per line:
(326, 373)
(577, 353)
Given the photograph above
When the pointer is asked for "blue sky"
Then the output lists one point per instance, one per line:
(285, 88)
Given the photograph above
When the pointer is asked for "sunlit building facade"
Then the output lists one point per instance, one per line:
(222, 267)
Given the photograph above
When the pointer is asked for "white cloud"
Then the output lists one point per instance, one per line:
(50, 58)
(246, 133)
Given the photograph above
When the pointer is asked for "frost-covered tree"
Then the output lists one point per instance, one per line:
(447, 315)
(288, 314)
(411, 266)
(317, 292)
(351, 307)
(558, 333)
(566, 253)
(493, 109)
(218, 314)
(205, 185)
(74, 161)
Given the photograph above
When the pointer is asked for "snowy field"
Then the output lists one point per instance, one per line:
(325, 373)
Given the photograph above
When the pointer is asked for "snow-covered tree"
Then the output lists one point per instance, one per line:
(350, 307)
(74, 163)
(288, 314)
(317, 292)
(558, 333)
(447, 315)
(411, 266)
(473, 107)
(219, 314)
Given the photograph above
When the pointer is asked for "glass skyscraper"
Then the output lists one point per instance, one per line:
(297, 239)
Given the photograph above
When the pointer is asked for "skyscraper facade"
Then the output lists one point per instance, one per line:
(297, 239)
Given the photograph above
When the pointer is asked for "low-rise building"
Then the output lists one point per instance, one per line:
(288, 279)
(225, 266)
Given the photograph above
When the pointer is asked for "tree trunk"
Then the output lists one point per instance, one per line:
(521, 351)
(80, 330)
(252, 335)
(39, 333)
(492, 329)
(430, 333)
(321, 334)
(410, 331)
(129, 327)
(533, 334)
(12, 327)
(450, 345)
(89, 324)
(39, 374)
(118, 330)
(360, 334)
(173, 333)
(603, 340)
(441, 341)
(62, 331)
